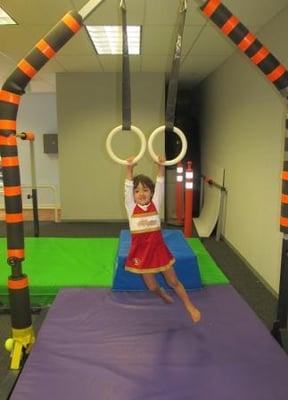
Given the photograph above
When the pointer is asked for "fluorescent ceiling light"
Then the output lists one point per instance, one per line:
(5, 19)
(108, 39)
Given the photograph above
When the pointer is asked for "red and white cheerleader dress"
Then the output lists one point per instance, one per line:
(148, 252)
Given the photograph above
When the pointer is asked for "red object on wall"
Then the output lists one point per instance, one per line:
(188, 200)
(179, 194)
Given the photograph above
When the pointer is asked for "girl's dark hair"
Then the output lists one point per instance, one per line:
(145, 181)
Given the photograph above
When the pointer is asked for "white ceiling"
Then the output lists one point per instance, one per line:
(204, 47)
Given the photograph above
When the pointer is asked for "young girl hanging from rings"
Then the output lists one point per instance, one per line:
(148, 253)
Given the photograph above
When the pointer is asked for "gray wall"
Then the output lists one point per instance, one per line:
(243, 132)
(89, 107)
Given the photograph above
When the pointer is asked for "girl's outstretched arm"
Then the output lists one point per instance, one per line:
(161, 166)
(159, 186)
(128, 192)
(130, 168)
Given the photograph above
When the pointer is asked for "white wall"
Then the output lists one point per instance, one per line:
(243, 131)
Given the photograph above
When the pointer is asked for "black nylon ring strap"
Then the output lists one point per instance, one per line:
(174, 75)
(126, 91)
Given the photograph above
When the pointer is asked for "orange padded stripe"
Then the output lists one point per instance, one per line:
(230, 25)
(10, 161)
(9, 97)
(45, 48)
(8, 124)
(14, 218)
(71, 23)
(274, 75)
(18, 284)
(27, 68)
(247, 41)
(284, 198)
(8, 140)
(12, 191)
(285, 175)
(284, 222)
(211, 7)
(17, 253)
(260, 55)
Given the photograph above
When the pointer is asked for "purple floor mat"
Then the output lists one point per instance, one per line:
(103, 345)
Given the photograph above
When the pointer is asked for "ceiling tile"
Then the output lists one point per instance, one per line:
(161, 12)
(190, 36)
(157, 39)
(212, 42)
(202, 64)
(37, 11)
(166, 35)
(194, 15)
(109, 12)
(15, 41)
(80, 44)
(255, 13)
(155, 63)
(204, 46)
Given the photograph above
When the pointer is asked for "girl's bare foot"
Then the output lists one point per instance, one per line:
(194, 313)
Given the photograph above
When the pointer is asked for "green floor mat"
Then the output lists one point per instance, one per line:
(209, 270)
(55, 263)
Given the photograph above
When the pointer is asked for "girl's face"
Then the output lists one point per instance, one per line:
(142, 195)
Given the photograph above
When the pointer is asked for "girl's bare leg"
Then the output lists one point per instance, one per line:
(177, 286)
(153, 286)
